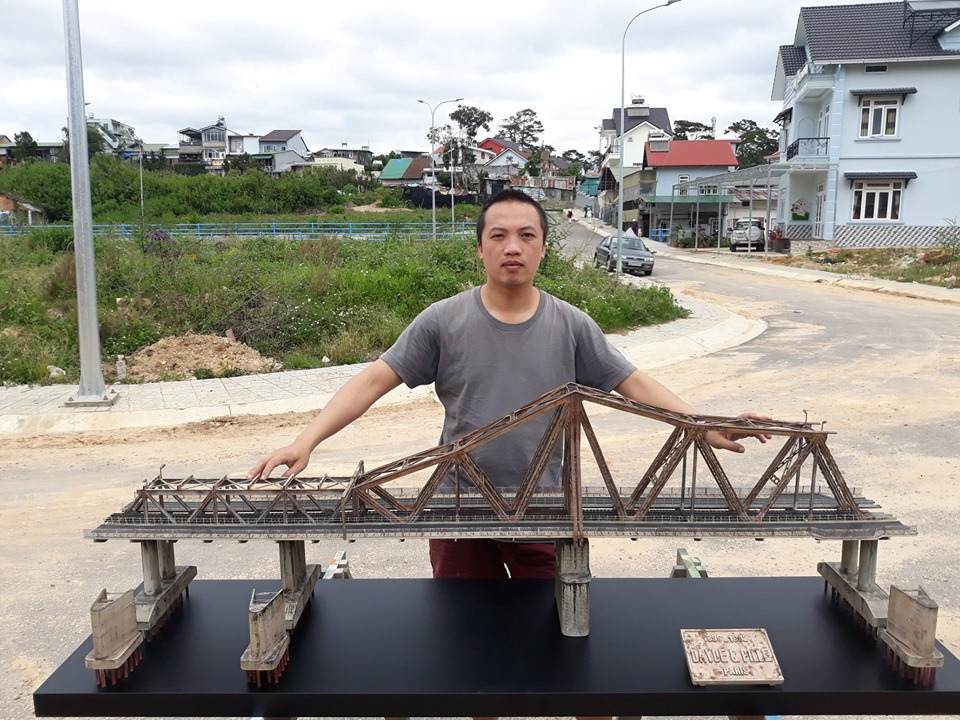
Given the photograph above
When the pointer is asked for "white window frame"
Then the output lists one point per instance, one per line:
(708, 190)
(876, 120)
(877, 200)
(682, 179)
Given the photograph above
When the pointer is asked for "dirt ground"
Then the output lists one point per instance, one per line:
(184, 357)
(54, 487)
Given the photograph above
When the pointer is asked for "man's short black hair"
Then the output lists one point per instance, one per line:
(511, 195)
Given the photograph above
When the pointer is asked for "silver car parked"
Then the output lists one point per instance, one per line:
(637, 259)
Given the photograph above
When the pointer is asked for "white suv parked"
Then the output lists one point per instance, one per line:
(748, 233)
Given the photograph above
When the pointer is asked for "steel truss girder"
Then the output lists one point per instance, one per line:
(363, 505)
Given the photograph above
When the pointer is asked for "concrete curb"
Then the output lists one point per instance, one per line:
(107, 419)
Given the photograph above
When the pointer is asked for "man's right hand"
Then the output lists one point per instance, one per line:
(348, 403)
(295, 457)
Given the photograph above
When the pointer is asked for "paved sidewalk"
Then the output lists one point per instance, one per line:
(29, 410)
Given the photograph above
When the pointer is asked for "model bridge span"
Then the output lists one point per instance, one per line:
(800, 493)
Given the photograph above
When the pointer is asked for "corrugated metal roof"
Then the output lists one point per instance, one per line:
(395, 168)
(687, 199)
(874, 31)
(761, 194)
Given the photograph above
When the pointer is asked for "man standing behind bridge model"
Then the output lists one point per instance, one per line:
(490, 350)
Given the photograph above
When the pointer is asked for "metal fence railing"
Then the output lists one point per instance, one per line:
(285, 230)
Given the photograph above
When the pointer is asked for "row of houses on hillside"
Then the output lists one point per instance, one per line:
(212, 146)
(494, 164)
(867, 152)
(654, 162)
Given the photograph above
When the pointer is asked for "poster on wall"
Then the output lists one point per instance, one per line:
(800, 210)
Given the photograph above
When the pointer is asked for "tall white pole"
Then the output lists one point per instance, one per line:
(453, 166)
(433, 162)
(141, 192)
(91, 390)
(623, 72)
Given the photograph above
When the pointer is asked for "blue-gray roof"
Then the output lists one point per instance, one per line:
(658, 117)
(872, 31)
(793, 58)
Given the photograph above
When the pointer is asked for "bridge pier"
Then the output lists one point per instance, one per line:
(573, 586)
(163, 584)
(853, 583)
(296, 578)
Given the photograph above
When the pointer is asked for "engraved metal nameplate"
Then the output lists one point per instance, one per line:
(731, 657)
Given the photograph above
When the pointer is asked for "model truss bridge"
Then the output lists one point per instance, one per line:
(684, 491)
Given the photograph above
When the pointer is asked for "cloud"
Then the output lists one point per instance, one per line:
(353, 72)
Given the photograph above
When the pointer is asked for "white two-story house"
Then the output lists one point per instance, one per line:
(870, 99)
(640, 121)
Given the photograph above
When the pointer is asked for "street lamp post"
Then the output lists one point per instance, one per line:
(140, 158)
(453, 167)
(433, 163)
(623, 72)
(91, 390)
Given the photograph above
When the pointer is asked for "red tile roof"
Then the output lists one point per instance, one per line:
(693, 153)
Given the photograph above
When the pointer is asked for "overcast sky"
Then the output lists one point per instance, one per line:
(352, 72)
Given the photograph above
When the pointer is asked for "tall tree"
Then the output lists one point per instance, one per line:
(470, 119)
(534, 165)
(574, 157)
(577, 160)
(240, 163)
(594, 158)
(755, 142)
(524, 128)
(155, 161)
(26, 147)
(95, 143)
(691, 130)
(384, 159)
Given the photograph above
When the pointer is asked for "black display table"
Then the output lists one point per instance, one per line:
(473, 647)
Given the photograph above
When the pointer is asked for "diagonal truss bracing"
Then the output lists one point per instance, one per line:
(366, 504)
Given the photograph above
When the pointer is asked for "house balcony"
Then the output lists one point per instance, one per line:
(809, 148)
(611, 158)
(812, 83)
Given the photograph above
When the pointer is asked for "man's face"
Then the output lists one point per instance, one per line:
(513, 244)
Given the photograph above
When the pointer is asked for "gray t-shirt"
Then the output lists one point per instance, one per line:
(484, 369)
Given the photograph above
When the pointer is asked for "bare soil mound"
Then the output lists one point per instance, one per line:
(188, 356)
(375, 208)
